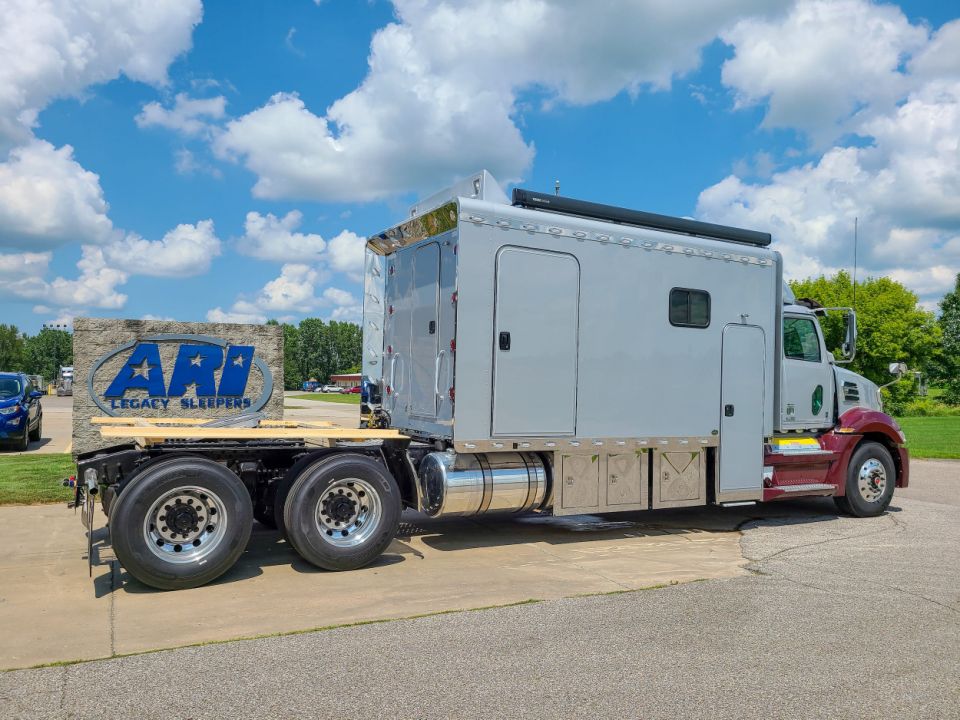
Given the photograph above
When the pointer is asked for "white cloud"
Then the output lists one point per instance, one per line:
(188, 116)
(28, 264)
(345, 254)
(270, 238)
(444, 85)
(47, 199)
(95, 287)
(218, 315)
(903, 187)
(823, 63)
(182, 252)
(339, 297)
(164, 318)
(56, 48)
(293, 291)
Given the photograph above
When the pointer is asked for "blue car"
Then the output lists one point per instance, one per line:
(21, 416)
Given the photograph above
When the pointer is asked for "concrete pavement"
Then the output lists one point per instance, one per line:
(836, 618)
(52, 611)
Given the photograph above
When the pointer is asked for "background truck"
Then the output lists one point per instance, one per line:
(536, 355)
(65, 381)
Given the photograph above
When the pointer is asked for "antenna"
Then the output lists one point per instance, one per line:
(856, 222)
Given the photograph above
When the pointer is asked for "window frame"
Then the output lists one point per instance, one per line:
(816, 334)
(687, 290)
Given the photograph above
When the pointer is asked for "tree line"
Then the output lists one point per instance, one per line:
(893, 327)
(42, 354)
(316, 350)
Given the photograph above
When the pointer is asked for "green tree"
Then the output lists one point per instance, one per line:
(11, 348)
(892, 326)
(949, 361)
(47, 351)
(292, 376)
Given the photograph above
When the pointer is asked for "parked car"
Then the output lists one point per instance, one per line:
(355, 390)
(21, 415)
(331, 389)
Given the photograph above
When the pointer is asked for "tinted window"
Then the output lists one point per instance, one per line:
(689, 308)
(9, 387)
(800, 341)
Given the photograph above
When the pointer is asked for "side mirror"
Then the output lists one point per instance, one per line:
(849, 347)
(898, 370)
(35, 394)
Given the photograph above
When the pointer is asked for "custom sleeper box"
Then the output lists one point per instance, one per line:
(153, 368)
(506, 328)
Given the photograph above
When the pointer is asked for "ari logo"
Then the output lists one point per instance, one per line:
(193, 383)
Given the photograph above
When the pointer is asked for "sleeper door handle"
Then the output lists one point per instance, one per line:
(504, 341)
(728, 410)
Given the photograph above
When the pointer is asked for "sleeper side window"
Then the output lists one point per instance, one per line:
(689, 308)
(800, 340)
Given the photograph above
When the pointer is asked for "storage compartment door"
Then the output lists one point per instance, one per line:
(741, 413)
(535, 343)
(424, 331)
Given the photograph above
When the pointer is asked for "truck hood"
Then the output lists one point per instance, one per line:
(856, 391)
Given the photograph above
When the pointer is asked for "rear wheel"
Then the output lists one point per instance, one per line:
(181, 523)
(342, 512)
(871, 477)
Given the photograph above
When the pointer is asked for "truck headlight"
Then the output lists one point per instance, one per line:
(9, 410)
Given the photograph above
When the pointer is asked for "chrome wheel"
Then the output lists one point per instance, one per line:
(348, 512)
(185, 525)
(872, 480)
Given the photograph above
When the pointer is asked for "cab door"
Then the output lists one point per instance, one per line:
(807, 377)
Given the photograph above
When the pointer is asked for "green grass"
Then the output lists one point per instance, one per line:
(351, 399)
(30, 479)
(932, 437)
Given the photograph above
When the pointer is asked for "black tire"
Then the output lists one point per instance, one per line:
(370, 490)
(278, 493)
(129, 522)
(38, 433)
(23, 444)
(874, 460)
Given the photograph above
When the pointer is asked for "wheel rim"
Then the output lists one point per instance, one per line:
(348, 512)
(872, 480)
(185, 524)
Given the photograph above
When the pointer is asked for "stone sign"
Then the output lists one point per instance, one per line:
(157, 368)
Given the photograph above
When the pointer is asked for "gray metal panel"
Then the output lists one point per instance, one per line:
(419, 369)
(425, 316)
(742, 388)
(679, 479)
(638, 376)
(535, 380)
(579, 484)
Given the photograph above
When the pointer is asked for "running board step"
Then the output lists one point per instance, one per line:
(809, 487)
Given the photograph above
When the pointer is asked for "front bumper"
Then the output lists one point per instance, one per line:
(11, 426)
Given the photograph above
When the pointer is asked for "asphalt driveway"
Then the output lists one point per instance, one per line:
(834, 618)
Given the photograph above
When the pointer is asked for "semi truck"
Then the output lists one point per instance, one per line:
(531, 354)
(65, 381)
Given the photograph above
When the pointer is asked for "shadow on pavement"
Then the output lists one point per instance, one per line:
(267, 548)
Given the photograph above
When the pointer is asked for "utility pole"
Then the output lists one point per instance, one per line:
(855, 228)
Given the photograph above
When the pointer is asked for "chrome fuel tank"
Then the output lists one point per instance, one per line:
(472, 484)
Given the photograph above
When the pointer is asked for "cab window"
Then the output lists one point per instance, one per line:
(800, 339)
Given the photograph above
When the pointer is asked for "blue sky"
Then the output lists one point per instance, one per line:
(166, 159)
